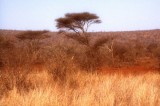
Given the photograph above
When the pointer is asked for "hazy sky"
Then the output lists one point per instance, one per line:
(116, 15)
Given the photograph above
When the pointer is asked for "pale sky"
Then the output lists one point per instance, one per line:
(116, 15)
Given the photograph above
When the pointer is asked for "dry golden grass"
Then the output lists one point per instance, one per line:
(86, 89)
(61, 72)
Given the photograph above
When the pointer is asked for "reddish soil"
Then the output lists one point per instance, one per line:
(144, 65)
(135, 70)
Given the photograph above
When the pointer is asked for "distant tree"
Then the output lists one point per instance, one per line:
(75, 26)
(32, 35)
(79, 24)
(32, 43)
(32, 38)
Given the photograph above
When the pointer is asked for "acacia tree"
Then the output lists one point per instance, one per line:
(79, 24)
(32, 43)
(75, 26)
(32, 35)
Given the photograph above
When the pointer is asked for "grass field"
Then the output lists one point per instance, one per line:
(57, 71)
(89, 90)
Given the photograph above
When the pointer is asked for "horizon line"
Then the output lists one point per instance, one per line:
(87, 31)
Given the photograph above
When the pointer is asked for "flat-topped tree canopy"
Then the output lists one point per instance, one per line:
(33, 35)
(77, 22)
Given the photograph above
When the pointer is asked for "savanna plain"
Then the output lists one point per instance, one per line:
(43, 68)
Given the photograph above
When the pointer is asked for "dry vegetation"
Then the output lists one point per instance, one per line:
(41, 68)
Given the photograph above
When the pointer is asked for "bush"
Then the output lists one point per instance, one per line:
(6, 48)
